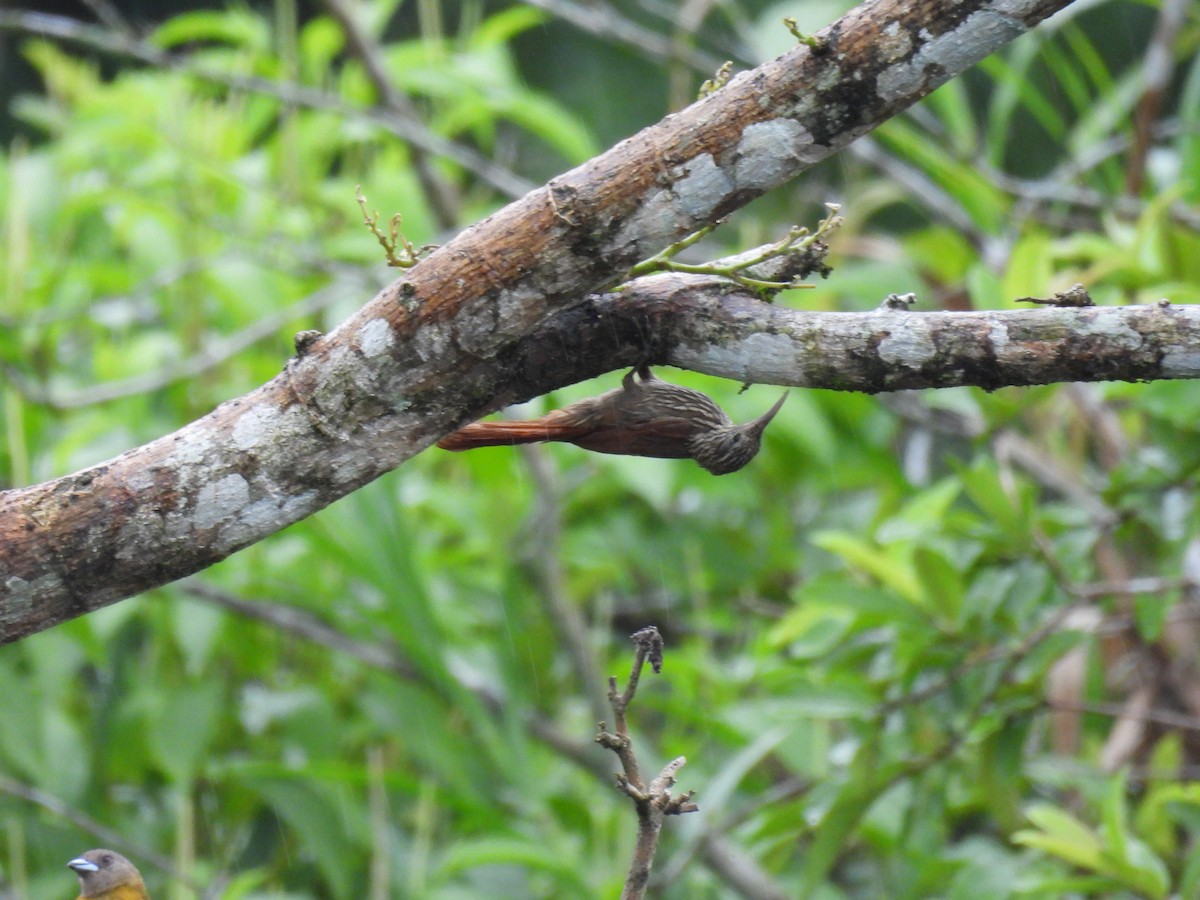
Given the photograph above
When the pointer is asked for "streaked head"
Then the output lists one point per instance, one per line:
(725, 450)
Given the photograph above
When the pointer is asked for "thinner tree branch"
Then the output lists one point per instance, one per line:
(1157, 69)
(699, 323)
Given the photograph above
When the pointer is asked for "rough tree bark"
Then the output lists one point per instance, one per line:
(457, 336)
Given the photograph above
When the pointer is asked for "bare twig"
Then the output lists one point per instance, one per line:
(302, 623)
(109, 16)
(738, 869)
(1165, 717)
(1144, 585)
(1039, 197)
(920, 186)
(655, 800)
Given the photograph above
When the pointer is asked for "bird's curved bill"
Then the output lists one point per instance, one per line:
(765, 419)
(79, 864)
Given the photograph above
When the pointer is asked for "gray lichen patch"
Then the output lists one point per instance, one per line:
(262, 516)
(698, 187)
(220, 500)
(910, 345)
(376, 337)
(953, 51)
(770, 151)
(1181, 364)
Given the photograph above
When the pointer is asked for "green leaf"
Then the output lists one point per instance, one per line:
(809, 631)
(940, 582)
(880, 563)
(235, 27)
(1072, 839)
(181, 727)
(867, 779)
(324, 823)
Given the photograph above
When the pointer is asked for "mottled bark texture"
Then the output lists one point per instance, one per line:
(440, 347)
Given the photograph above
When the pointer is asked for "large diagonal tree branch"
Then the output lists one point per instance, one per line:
(440, 346)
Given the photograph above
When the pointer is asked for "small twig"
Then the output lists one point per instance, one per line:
(397, 248)
(603, 21)
(653, 801)
(110, 17)
(1075, 295)
(811, 41)
(208, 357)
(1157, 69)
(1165, 717)
(719, 80)
(795, 244)
(1143, 585)
(921, 187)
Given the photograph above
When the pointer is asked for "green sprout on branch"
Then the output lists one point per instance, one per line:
(737, 268)
(398, 249)
(814, 43)
(718, 81)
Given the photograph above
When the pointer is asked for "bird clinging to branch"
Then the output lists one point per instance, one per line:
(643, 417)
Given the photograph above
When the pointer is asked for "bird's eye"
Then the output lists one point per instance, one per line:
(106, 860)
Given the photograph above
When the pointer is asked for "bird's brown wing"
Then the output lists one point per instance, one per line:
(665, 438)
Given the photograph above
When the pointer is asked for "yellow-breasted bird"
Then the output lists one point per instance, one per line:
(107, 875)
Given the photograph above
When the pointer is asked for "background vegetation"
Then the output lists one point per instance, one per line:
(939, 644)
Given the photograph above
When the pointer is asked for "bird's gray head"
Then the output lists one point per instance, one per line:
(727, 449)
(100, 871)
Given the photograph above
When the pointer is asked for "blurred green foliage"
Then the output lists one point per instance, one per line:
(862, 627)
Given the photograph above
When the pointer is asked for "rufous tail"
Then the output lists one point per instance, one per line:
(506, 434)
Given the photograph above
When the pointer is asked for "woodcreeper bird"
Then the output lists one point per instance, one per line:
(643, 417)
(107, 875)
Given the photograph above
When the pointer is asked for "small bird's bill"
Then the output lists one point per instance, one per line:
(765, 419)
(79, 864)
